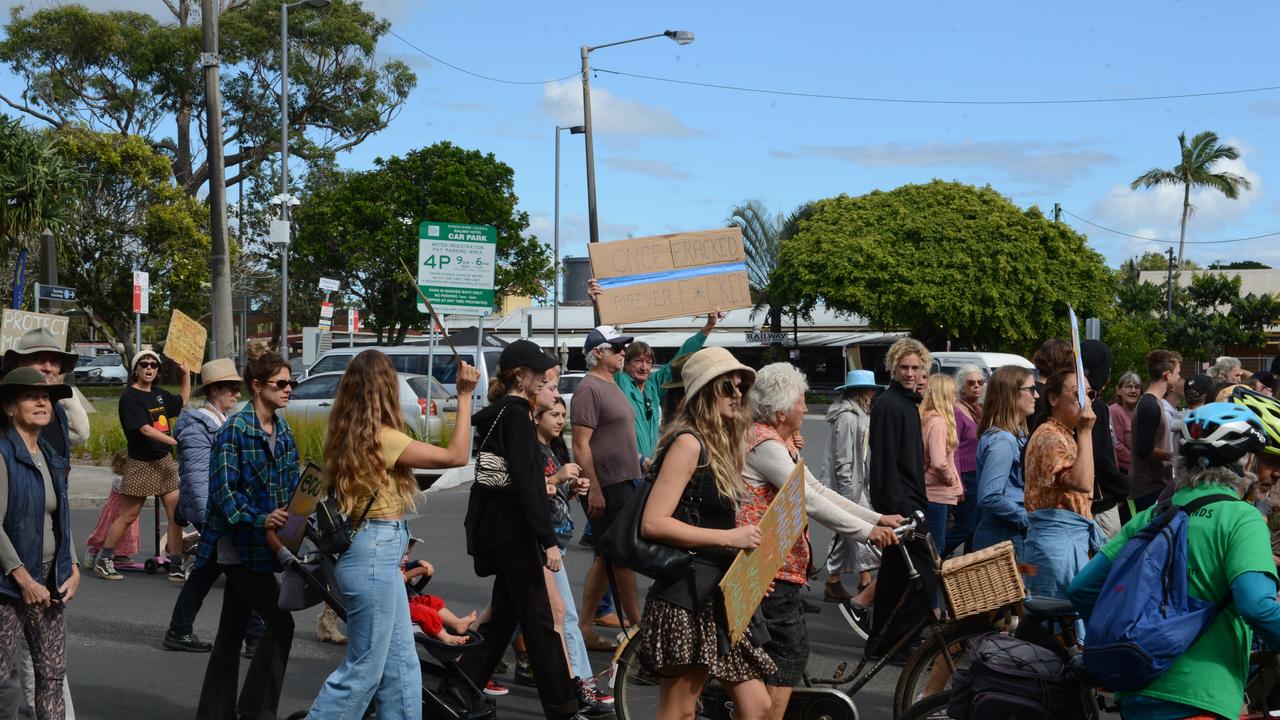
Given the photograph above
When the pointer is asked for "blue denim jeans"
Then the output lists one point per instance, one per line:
(579, 661)
(381, 661)
(936, 515)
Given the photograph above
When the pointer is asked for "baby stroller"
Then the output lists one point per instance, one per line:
(447, 693)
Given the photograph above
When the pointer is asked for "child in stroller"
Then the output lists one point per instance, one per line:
(428, 612)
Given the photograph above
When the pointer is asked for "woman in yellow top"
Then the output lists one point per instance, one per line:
(369, 456)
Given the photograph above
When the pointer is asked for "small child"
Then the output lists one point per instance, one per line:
(429, 611)
(130, 541)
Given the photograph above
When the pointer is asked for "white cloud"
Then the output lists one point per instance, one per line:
(1039, 162)
(656, 168)
(562, 102)
(574, 231)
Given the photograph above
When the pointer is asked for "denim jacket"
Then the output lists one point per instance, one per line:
(1001, 514)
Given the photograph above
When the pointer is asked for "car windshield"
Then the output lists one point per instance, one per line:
(105, 360)
(569, 383)
(419, 385)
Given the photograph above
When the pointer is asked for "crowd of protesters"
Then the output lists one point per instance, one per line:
(983, 455)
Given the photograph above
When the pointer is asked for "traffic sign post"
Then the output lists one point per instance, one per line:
(455, 267)
(141, 304)
(53, 292)
(329, 285)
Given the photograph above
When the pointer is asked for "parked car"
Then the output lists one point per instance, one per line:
(107, 369)
(412, 359)
(568, 383)
(987, 362)
(424, 404)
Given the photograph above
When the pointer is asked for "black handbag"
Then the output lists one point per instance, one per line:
(333, 530)
(625, 544)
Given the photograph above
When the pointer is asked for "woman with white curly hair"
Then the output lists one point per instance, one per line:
(778, 408)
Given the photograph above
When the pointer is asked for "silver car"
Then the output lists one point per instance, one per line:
(107, 369)
(424, 404)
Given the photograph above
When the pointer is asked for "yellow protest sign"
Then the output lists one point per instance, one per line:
(305, 496)
(747, 581)
(185, 342)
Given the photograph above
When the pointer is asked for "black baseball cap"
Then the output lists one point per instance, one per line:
(523, 353)
(1200, 386)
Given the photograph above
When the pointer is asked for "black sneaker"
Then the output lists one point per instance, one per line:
(186, 643)
(589, 705)
(524, 671)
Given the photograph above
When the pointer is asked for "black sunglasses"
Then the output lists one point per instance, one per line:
(725, 387)
(148, 364)
(282, 384)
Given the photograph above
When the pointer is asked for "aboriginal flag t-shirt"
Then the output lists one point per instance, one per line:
(156, 407)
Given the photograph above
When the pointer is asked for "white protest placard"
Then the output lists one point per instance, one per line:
(17, 322)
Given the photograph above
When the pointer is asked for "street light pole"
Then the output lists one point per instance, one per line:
(555, 261)
(682, 37)
(285, 198)
(219, 254)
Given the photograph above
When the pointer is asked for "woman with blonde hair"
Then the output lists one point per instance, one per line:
(369, 463)
(697, 488)
(941, 478)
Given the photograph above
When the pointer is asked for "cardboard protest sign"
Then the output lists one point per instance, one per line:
(17, 322)
(667, 276)
(185, 342)
(1075, 348)
(747, 581)
(309, 491)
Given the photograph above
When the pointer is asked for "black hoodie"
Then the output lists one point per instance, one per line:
(1110, 485)
(498, 517)
(895, 473)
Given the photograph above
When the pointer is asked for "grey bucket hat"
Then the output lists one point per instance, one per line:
(35, 342)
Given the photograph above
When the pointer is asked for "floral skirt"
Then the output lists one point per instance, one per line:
(673, 637)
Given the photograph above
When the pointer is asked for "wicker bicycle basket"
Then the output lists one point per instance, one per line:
(984, 580)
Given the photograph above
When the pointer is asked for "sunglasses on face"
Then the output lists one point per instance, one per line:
(975, 383)
(1030, 389)
(148, 364)
(281, 384)
(726, 387)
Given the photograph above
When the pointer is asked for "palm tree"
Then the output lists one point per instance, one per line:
(1196, 170)
(762, 241)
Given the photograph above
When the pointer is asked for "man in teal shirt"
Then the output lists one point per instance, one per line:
(643, 387)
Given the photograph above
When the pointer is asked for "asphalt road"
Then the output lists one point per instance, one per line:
(118, 669)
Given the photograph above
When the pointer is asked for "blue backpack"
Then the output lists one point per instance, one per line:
(1144, 619)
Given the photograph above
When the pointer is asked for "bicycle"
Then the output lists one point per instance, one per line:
(948, 640)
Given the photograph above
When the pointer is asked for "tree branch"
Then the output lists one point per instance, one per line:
(33, 112)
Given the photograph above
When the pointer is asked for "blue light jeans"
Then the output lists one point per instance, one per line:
(381, 662)
(579, 661)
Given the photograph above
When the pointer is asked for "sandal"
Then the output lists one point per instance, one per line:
(595, 643)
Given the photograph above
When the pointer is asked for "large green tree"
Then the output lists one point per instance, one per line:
(131, 212)
(1195, 169)
(129, 73)
(356, 227)
(946, 261)
(1215, 316)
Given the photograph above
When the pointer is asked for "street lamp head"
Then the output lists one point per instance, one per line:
(577, 130)
(682, 37)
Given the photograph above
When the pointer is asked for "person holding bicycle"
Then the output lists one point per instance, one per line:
(1228, 561)
(683, 636)
(778, 407)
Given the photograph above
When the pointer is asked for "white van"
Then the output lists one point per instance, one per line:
(987, 362)
(411, 359)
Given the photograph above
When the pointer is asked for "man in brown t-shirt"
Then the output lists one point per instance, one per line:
(604, 445)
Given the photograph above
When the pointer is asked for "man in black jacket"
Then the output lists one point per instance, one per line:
(896, 483)
(1110, 486)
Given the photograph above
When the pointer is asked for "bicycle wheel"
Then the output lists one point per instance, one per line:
(635, 691)
(933, 707)
(926, 672)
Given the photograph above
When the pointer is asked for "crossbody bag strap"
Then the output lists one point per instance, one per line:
(491, 427)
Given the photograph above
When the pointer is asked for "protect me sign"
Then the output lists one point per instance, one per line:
(667, 276)
(455, 267)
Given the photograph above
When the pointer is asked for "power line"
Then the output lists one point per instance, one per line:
(482, 76)
(933, 101)
(1168, 242)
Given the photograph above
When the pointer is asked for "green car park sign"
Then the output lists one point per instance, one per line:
(455, 267)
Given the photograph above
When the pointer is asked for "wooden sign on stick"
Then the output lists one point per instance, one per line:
(748, 579)
(185, 342)
(666, 276)
(301, 505)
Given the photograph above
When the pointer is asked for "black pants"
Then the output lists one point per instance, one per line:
(247, 592)
(191, 598)
(520, 596)
(893, 581)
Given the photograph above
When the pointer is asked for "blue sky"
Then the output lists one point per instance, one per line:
(672, 157)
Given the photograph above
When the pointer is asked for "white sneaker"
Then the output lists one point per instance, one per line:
(105, 568)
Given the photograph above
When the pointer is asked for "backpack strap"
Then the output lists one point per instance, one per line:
(1194, 506)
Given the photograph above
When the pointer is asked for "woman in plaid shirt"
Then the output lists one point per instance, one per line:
(253, 470)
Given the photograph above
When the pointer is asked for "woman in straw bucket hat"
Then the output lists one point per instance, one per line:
(693, 504)
(146, 415)
(195, 430)
(39, 577)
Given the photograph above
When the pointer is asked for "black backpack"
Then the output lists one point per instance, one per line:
(1013, 679)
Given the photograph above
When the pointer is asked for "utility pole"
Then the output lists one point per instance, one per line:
(219, 257)
(1169, 310)
(1057, 212)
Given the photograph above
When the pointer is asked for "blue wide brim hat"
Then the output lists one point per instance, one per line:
(856, 379)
